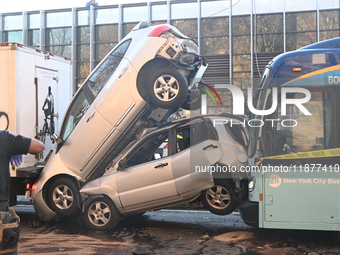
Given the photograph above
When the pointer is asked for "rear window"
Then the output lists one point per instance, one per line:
(200, 131)
(238, 133)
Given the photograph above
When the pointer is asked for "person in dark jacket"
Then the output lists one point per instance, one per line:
(12, 144)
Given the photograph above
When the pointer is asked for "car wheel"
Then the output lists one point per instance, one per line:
(167, 88)
(101, 214)
(62, 196)
(221, 198)
(193, 101)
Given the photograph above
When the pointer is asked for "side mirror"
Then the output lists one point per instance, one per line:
(57, 139)
(122, 164)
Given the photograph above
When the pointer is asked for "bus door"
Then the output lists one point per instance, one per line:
(301, 169)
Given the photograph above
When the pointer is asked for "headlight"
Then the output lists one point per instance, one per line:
(251, 184)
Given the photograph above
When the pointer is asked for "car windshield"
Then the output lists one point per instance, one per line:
(78, 108)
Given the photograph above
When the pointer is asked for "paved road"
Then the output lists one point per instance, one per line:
(173, 232)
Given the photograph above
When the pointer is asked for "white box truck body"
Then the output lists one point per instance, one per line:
(36, 89)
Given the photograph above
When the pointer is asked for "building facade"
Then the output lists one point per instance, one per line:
(237, 37)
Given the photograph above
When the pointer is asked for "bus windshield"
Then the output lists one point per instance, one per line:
(297, 132)
(259, 103)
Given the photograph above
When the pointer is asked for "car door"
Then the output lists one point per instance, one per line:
(146, 182)
(120, 103)
(83, 131)
(190, 164)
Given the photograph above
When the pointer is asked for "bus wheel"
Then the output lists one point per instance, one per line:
(221, 198)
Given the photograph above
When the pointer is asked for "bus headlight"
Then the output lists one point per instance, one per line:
(251, 184)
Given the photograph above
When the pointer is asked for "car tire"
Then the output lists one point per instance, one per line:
(167, 88)
(101, 214)
(193, 101)
(221, 198)
(62, 196)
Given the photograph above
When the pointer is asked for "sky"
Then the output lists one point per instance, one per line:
(31, 5)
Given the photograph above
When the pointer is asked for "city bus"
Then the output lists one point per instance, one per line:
(294, 181)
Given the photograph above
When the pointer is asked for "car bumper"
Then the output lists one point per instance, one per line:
(199, 74)
(249, 212)
(41, 208)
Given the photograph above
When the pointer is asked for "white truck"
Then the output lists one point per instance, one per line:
(35, 93)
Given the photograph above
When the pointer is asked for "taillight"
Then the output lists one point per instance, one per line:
(34, 186)
(30, 186)
(157, 31)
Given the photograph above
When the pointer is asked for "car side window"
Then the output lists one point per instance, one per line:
(152, 148)
(104, 72)
(78, 108)
(183, 138)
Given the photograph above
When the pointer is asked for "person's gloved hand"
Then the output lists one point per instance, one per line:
(16, 160)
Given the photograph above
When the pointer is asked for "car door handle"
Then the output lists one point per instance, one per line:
(161, 165)
(90, 117)
(123, 72)
(210, 146)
